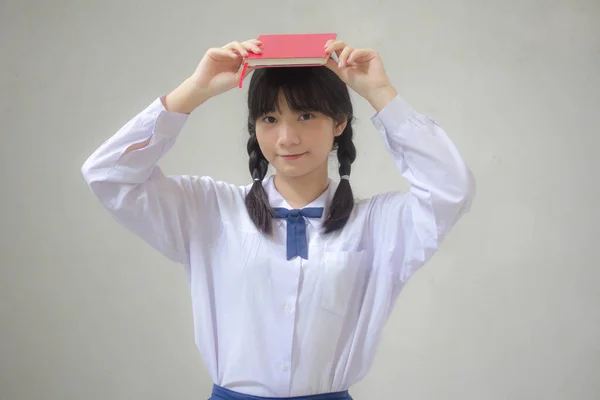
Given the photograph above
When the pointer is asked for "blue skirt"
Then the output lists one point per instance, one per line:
(220, 393)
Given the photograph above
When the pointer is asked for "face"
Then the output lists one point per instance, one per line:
(297, 143)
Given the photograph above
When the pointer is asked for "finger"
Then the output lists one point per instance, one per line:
(252, 47)
(222, 54)
(241, 49)
(238, 48)
(359, 55)
(327, 43)
(344, 56)
(335, 46)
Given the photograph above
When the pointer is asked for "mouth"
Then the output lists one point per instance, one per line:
(292, 156)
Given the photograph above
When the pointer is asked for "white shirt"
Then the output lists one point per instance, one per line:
(264, 325)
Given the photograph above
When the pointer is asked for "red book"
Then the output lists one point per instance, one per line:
(290, 50)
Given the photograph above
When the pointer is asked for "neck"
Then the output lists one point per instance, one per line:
(302, 190)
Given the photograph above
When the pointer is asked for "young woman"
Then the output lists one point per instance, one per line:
(291, 278)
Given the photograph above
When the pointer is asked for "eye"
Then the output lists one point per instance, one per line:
(269, 119)
(307, 115)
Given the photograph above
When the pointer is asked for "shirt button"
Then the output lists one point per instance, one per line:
(289, 309)
(284, 367)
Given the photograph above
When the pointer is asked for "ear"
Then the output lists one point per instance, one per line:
(339, 127)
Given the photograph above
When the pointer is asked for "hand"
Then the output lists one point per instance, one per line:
(220, 68)
(362, 70)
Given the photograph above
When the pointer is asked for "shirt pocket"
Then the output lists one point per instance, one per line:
(338, 280)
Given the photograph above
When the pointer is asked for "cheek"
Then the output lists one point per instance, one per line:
(323, 140)
(266, 144)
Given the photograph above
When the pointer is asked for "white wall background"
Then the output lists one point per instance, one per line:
(508, 309)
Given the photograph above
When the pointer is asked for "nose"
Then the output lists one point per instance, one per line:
(288, 136)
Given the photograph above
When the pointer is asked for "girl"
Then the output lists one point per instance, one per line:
(291, 279)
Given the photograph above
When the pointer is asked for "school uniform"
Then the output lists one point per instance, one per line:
(280, 316)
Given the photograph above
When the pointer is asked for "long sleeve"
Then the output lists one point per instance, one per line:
(408, 228)
(162, 210)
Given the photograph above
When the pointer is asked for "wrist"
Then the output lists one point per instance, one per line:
(195, 91)
(380, 97)
(186, 97)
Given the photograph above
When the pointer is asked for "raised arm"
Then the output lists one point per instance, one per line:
(123, 173)
(406, 229)
(410, 227)
(124, 176)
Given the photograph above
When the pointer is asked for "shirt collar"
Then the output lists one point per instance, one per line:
(324, 200)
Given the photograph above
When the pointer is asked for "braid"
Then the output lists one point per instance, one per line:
(346, 153)
(257, 200)
(343, 198)
(258, 163)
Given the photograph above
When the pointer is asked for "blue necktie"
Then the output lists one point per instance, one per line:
(296, 229)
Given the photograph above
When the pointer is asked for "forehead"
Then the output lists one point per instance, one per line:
(289, 98)
(282, 105)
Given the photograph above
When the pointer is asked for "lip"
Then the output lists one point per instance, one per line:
(292, 156)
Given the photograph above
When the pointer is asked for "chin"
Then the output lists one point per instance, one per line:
(296, 170)
(292, 172)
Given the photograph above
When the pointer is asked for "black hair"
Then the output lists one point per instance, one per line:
(315, 89)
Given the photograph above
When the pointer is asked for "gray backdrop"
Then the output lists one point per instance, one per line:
(508, 309)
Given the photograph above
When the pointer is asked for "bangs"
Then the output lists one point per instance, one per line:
(305, 89)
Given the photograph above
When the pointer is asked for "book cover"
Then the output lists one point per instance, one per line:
(291, 50)
(281, 49)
